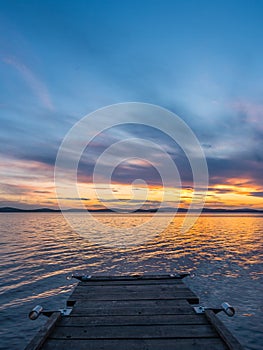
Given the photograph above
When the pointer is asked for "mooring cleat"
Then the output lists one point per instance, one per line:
(225, 307)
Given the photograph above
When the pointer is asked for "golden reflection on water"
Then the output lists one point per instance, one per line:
(39, 250)
(47, 238)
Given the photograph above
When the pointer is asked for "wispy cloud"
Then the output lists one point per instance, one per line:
(35, 84)
(253, 112)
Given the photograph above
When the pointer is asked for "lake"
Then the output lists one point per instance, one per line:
(39, 250)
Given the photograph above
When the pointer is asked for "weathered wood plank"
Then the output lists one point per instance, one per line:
(131, 286)
(134, 332)
(40, 338)
(124, 289)
(152, 303)
(224, 333)
(135, 344)
(130, 292)
(132, 307)
(132, 320)
(132, 289)
(135, 277)
(171, 281)
(139, 295)
(153, 294)
(132, 311)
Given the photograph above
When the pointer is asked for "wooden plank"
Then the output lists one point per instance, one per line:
(135, 277)
(40, 338)
(132, 320)
(132, 307)
(131, 311)
(131, 286)
(175, 282)
(132, 291)
(153, 295)
(134, 332)
(152, 303)
(94, 302)
(135, 344)
(224, 333)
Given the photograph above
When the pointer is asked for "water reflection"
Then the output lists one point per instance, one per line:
(39, 250)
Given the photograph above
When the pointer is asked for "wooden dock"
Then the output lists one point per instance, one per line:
(133, 313)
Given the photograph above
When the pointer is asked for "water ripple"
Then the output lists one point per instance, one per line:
(39, 250)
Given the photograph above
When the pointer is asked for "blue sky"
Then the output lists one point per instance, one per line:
(60, 60)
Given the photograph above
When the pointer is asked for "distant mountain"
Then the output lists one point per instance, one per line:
(17, 210)
(168, 209)
(9, 210)
(242, 210)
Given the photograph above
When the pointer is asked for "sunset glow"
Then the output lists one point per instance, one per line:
(30, 185)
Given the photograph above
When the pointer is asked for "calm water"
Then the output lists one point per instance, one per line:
(38, 251)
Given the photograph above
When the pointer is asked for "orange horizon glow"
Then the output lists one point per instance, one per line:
(31, 184)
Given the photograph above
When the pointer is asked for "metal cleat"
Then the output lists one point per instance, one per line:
(225, 307)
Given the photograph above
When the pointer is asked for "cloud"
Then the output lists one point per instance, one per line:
(42, 192)
(256, 194)
(72, 198)
(36, 85)
(220, 190)
(253, 112)
(221, 170)
(14, 189)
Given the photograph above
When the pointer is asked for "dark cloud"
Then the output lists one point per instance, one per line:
(220, 191)
(256, 194)
(42, 192)
(220, 170)
(33, 135)
(14, 189)
(72, 198)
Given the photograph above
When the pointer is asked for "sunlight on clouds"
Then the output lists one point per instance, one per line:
(233, 196)
(25, 182)
(30, 184)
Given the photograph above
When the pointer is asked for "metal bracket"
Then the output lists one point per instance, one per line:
(80, 278)
(38, 310)
(66, 311)
(202, 309)
(180, 275)
(228, 309)
(199, 309)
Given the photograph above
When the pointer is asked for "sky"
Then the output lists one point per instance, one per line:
(61, 60)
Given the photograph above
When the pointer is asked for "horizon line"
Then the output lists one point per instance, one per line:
(153, 210)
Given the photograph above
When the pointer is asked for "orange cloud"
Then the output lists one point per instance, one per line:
(30, 183)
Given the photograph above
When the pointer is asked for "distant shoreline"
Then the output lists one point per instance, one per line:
(164, 210)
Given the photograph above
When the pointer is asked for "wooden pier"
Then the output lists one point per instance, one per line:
(133, 313)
